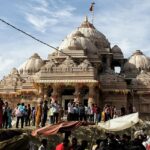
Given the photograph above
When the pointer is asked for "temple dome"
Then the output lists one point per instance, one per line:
(77, 42)
(32, 65)
(14, 71)
(77, 33)
(116, 49)
(138, 61)
(85, 32)
(117, 52)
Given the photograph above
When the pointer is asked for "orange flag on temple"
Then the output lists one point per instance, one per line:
(92, 7)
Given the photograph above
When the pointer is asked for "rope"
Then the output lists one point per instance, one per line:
(36, 39)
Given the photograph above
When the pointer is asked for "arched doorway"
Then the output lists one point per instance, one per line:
(84, 95)
(49, 91)
(67, 96)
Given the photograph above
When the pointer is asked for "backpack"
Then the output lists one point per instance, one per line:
(18, 113)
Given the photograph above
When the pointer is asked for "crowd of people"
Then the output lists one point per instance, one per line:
(111, 142)
(94, 114)
(124, 142)
(66, 145)
(54, 112)
(25, 115)
(5, 115)
(38, 115)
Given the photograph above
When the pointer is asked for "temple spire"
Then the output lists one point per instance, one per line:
(86, 19)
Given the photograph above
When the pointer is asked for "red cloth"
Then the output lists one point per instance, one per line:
(60, 147)
(60, 127)
(148, 147)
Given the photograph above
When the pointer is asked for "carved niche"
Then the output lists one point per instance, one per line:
(85, 65)
(67, 65)
(48, 67)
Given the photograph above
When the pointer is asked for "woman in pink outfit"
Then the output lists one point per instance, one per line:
(1, 112)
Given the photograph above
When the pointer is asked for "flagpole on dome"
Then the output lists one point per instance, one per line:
(91, 9)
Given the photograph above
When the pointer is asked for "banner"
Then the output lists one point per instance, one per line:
(120, 123)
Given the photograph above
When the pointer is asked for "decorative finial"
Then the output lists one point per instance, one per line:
(86, 19)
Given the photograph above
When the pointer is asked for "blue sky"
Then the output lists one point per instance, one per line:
(124, 22)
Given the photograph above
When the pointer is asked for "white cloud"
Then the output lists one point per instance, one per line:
(18, 53)
(125, 45)
(4, 65)
(126, 26)
(63, 13)
(43, 3)
(2, 26)
(41, 22)
(43, 17)
(41, 9)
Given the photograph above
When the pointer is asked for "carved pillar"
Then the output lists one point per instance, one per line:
(59, 98)
(41, 91)
(108, 61)
(77, 94)
(45, 92)
(91, 98)
(56, 94)
(122, 65)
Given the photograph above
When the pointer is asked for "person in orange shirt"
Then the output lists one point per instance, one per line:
(63, 145)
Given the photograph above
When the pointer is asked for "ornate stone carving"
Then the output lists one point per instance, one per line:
(67, 65)
(137, 62)
(13, 79)
(49, 66)
(110, 76)
(32, 65)
(41, 91)
(110, 80)
(110, 71)
(14, 71)
(77, 93)
(56, 94)
(143, 79)
(77, 34)
(85, 65)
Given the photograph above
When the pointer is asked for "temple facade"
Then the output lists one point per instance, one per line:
(82, 70)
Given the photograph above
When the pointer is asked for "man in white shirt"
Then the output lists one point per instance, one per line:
(70, 111)
(43, 145)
